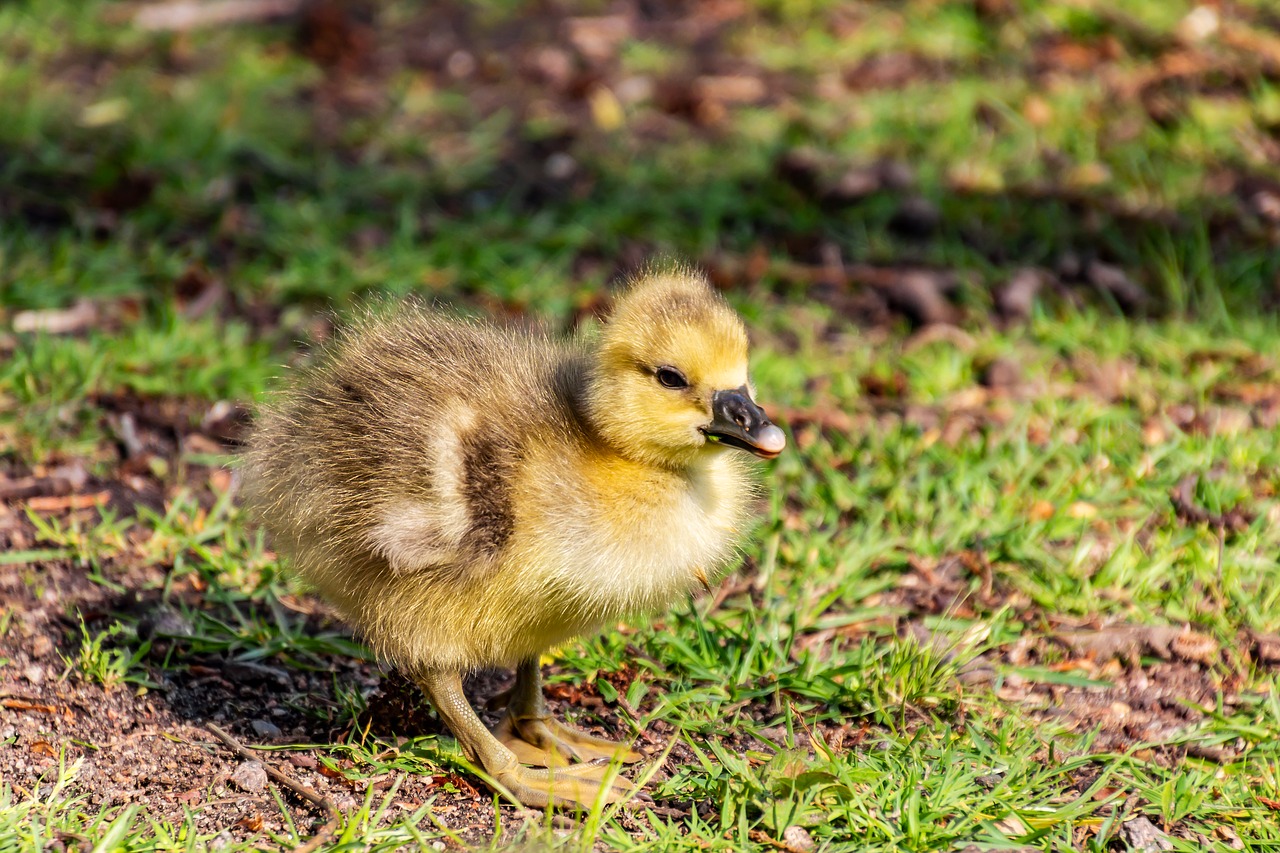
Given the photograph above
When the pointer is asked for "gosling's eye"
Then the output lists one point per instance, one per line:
(671, 378)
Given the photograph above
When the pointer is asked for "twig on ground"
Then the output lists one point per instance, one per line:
(55, 503)
(57, 321)
(326, 832)
(30, 487)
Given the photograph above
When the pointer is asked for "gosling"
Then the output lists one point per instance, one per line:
(470, 496)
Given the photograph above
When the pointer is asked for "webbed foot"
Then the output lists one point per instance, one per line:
(583, 784)
(545, 742)
(580, 785)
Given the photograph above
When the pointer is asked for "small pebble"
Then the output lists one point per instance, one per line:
(41, 646)
(164, 621)
(798, 838)
(560, 166)
(250, 777)
(1143, 835)
(264, 729)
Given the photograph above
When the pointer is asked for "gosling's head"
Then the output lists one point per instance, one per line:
(670, 377)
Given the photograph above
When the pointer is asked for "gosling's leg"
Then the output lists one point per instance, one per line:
(528, 729)
(578, 785)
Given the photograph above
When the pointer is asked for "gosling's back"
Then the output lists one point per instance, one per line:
(393, 453)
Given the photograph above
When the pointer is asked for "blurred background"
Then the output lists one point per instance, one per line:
(926, 160)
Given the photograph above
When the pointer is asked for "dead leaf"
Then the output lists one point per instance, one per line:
(1153, 433)
(730, 89)
(1041, 510)
(1082, 509)
(890, 70)
(1258, 42)
(43, 747)
(1071, 56)
(1037, 111)
(795, 839)
(458, 782)
(1228, 835)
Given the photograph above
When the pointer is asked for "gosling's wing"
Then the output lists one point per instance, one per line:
(465, 519)
(410, 430)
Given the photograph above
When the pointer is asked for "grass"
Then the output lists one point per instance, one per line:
(108, 666)
(827, 691)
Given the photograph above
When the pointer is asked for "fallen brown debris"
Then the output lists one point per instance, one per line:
(60, 321)
(1130, 643)
(56, 503)
(184, 15)
(1265, 648)
(32, 487)
(15, 704)
(1233, 520)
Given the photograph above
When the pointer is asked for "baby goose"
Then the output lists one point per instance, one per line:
(469, 496)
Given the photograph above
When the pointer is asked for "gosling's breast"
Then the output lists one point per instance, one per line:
(629, 539)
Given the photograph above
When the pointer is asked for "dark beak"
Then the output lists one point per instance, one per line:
(738, 422)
